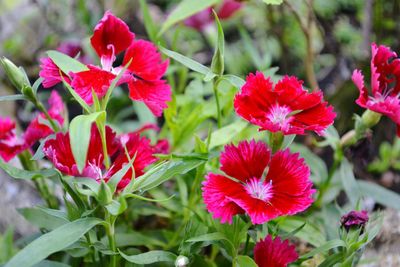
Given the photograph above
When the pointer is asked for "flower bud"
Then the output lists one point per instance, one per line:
(354, 219)
(181, 261)
(16, 75)
(104, 196)
(370, 118)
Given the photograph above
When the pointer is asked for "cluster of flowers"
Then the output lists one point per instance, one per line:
(257, 181)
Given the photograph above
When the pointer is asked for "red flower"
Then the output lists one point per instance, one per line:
(287, 107)
(202, 19)
(274, 252)
(59, 151)
(385, 85)
(10, 144)
(286, 189)
(144, 74)
(36, 130)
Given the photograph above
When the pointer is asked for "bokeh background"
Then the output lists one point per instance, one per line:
(320, 41)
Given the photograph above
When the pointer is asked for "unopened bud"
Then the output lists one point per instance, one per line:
(104, 196)
(16, 75)
(354, 219)
(370, 118)
(182, 261)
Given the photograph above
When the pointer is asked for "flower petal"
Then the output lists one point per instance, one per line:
(94, 79)
(245, 161)
(270, 252)
(146, 62)
(217, 190)
(51, 74)
(10, 144)
(154, 94)
(111, 36)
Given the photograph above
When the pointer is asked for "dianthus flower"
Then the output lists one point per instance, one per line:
(58, 150)
(274, 252)
(258, 184)
(286, 107)
(144, 73)
(10, 144)
(385, 85)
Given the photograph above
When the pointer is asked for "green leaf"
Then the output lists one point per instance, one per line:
(150, 257)
(226, 134)
(163, 172)
(234, 80)
(136, 239)
(217, 63)
(273, 2)
(380, 194)
(27, 175)
(47, 263)
(245, 261)
(79, 132)
(185, 9)
(49, 219)
(66, 63)
(12, 97)
(207, 237)
(349, 182)
(52, 242)
(324, 248)
(148, 22)
(190, 63)
(309, 233)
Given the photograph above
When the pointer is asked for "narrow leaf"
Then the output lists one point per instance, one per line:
(324, 248)
(66, 63)
(27, 175)
(150, 257)
(380, 194)
(79, 133)
(185, 9)
(52, 242)
(350, 185)
(12, 97)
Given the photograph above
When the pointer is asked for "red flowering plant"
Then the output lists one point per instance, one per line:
(199, 168)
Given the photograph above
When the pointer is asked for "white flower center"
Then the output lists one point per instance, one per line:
(279, 115)
(259, 189)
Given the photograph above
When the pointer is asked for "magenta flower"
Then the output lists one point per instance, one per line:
(285, 190)
(385, 85)
(274, 252)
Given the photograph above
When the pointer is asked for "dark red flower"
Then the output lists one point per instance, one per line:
(37, 130)
(274, 252)
(285, 190)
(357, 219)
(202, 19)
(59, 151)
(385, 84)
(286, 107)
(10, 144)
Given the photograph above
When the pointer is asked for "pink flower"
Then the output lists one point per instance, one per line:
(36, 130)
(385, 85)
(274, 252)
(51, 74)
(59, 151)
(286, 107)
(284, 190)
(10, 144)
(202, 19)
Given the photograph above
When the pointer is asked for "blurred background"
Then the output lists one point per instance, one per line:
(320, 41)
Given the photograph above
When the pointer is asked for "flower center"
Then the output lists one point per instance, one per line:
(279, 115)
(258, 189)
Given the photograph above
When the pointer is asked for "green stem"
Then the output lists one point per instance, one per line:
(110, 231)
(215, 88)
(53, 125)
(102, 129)
(275, 141)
